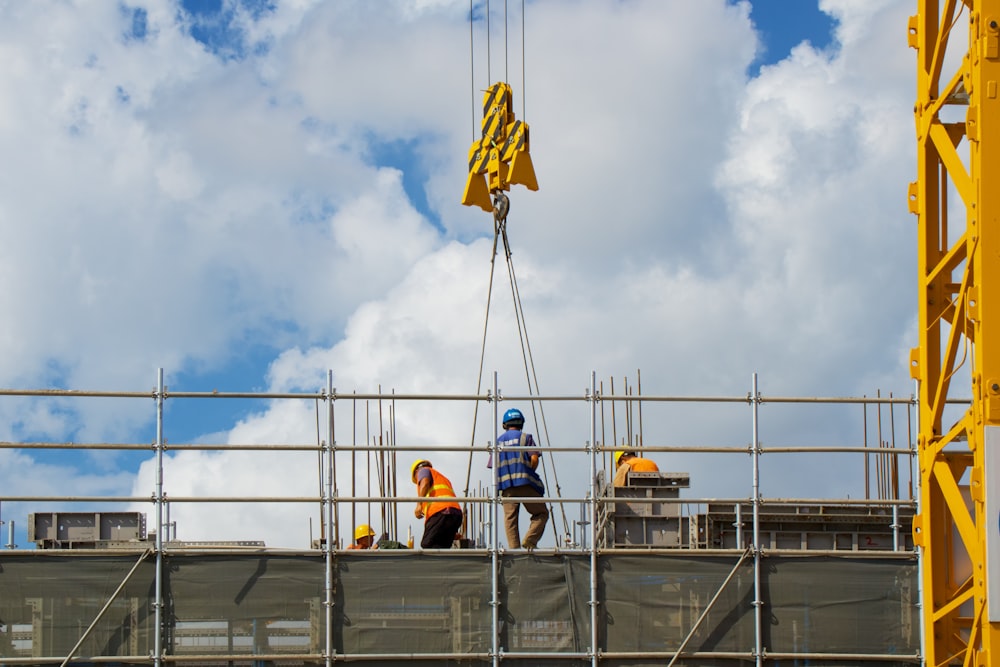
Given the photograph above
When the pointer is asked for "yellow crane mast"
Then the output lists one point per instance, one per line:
(957, 114)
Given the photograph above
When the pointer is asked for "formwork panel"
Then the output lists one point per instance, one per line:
(55, 529)
(651, 531)
(646, 501)
(809, 526)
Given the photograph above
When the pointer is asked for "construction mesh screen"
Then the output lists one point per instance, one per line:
(410, 608)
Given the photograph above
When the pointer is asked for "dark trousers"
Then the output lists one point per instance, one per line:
(440, 529)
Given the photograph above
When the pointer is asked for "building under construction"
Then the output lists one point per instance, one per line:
(653, 573)
(646, 574)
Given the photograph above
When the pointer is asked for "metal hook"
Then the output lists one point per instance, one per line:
(501, 205)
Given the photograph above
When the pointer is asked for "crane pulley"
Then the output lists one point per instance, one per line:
(500, 157)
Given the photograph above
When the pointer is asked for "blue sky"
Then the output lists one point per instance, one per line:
(250, 194)
(780, 24)
(784, 24)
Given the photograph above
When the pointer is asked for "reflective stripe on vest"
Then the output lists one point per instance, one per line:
(514, 468)
(440, 488)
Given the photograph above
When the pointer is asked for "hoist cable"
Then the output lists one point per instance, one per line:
(482, 357)
(506, 64)
(529, 370)
(472, 71)
(500, 233)
(524, 83)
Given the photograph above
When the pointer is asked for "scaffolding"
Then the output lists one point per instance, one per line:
(647, 576)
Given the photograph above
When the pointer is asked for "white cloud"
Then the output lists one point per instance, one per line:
(168, 208)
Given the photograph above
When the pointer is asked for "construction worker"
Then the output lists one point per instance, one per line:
(364, 538)
(443, 517)
(626, 461)
(516, 478)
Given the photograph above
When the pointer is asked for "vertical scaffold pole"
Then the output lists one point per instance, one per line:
(494, 533)
(895, 527)
(739, 525)
(159, 503)
(593, 520)
(758, 603)
(328, 508)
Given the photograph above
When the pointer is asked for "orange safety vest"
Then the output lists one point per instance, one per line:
(440, 488)
(642, 465)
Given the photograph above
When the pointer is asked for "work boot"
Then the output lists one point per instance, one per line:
(528, 545)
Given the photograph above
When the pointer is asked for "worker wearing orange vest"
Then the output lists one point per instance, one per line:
(363, 538)
(443, 517)
(626, 461)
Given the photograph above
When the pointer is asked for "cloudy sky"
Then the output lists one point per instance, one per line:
(250, 194)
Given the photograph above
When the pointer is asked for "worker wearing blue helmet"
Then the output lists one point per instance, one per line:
(516, 478)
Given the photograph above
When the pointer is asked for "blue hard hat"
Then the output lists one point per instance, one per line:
(513, 416)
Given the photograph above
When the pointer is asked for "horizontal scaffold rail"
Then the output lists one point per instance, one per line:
(659, 566)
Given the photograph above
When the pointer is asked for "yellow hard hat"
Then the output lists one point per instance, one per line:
(364, 530)
(619, 454)
(417, 464)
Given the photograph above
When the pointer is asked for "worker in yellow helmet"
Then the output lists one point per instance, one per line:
(443, 518)
(364, 538)
(626, 461)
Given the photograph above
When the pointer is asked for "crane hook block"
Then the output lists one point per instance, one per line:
(501, 157)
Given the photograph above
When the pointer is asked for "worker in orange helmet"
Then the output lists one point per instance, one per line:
(626, 461)
(442, 518)
(364, 538)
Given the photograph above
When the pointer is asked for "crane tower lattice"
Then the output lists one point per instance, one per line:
(957, 114)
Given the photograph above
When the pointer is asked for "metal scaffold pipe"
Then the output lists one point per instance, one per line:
(594, 637)
(158, 501)
(328, 532)
(329, 598)
(758, 601)
(494, 533)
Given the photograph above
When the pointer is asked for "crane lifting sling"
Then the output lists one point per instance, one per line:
(498, 159)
